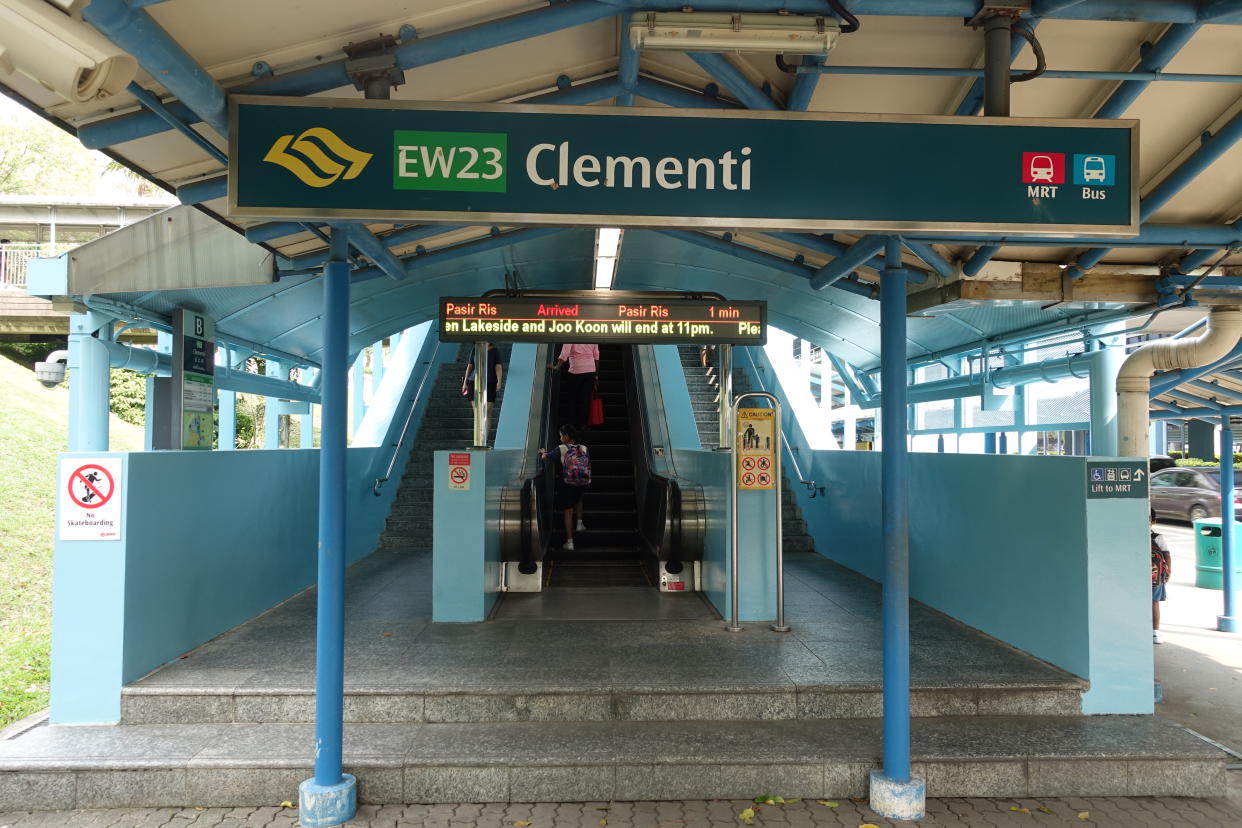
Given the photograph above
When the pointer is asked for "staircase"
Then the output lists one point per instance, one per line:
(447, 424)
(704, 390)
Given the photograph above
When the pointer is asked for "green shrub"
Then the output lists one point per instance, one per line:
(129, 395)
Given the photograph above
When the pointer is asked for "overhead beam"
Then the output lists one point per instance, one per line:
(719, 67)
(849, 261)
(1040, 285)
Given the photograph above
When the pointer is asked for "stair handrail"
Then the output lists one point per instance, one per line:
(405, 427)
(793, 458)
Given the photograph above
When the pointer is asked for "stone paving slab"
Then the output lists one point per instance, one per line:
(948, 812)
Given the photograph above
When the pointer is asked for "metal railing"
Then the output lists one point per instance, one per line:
(405, 427)
(15, 255)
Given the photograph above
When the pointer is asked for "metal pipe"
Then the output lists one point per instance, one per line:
(896, 518)
(405, 427)
(724, 379)
(627, 62)
(997, 36)
(1134, 378)
(973, 98)
(780, 625)
(673, 95)
(151, 102)
(330, 613)
(1156, 58)
(979, 258)
(1136, 77)
(480, 395)
(578, 93)
(1228, 621)
(734, 625)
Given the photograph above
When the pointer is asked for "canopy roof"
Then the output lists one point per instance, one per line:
(192, 55)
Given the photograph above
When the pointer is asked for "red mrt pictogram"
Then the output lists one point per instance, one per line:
(1043, 168)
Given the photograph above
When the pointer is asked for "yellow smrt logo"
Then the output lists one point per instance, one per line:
(314, 145)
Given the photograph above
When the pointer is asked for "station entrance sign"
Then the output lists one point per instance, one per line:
(563, 165)
(629, 318)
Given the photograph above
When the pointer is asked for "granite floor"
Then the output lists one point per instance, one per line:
(607, 637)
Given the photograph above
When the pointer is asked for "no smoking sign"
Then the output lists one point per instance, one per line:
(459, 471)
(90, 499)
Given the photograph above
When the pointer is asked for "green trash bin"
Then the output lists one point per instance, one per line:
(1209, 570)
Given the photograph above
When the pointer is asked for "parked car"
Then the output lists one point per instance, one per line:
(1190, 493)
(1160, 461)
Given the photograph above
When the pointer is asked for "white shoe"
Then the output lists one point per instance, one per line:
(1156, 637)
(569, 545)
(581, 527)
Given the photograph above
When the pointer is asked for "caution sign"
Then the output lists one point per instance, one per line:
(459, 471)
(89, 497)
(756, 448)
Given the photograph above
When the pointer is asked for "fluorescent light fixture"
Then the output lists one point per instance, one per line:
(781, 34)
(63, 55)
(607, 248)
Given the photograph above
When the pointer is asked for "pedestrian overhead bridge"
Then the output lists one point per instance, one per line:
(931, 255)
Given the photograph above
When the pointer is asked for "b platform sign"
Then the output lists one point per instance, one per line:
(411, 161)
(756, 449)
(89, 498)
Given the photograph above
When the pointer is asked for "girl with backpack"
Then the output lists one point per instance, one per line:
(572, 479)
(1161, 569)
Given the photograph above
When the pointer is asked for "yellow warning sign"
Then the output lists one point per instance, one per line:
(756, 449)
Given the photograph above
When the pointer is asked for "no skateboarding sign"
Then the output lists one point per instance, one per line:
(459, 471)
(90, 499)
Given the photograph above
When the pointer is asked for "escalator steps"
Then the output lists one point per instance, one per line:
(595, 574)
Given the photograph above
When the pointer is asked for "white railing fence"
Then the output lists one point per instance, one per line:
(14, 255)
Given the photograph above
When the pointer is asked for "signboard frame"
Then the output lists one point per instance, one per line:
(637, 299)
(457, 217)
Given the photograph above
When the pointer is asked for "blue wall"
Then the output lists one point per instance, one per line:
(210, 539)
(1008, 544)
(466, 558)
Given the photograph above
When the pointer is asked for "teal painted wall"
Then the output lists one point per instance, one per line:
(210, 539)
(1008, 544)
(466, 559)
(683, 432)
(519, 376)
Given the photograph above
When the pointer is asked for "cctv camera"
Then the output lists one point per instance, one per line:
(52, 372)
(60, 53)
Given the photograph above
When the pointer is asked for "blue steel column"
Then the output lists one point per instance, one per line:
(893, 793)
(330, 798)
(1228, 548)
(90, 369)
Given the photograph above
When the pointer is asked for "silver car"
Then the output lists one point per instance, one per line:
(1190, 493)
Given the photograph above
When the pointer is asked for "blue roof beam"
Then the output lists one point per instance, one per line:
(750, 254)
(858, 254)
(627, 63)
(162, 57)
(332, 75)
(365, 242)
(719, 67)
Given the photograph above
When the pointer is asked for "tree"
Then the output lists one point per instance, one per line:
(38, 158)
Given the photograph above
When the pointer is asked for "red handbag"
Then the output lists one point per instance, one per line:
(596, 417)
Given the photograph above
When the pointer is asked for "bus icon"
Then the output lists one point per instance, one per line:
(1098, 170)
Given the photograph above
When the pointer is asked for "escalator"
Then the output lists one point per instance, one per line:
(642, 529)
(607, 553)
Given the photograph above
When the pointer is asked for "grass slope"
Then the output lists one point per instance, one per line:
(33, 428)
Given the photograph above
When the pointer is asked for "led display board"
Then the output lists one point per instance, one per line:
(607, 316)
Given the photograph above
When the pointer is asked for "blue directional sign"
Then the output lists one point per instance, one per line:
(464, 163)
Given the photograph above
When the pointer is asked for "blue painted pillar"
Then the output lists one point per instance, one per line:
(940, 443)
(1002, 444)
(358, 391)
(1105, 365)
(1228, 622)
(330, 798)
(90, 369)
(989, 442)
(1158, 439)
(894, 793)
(227, 403)
(271, 417)
(377, 365)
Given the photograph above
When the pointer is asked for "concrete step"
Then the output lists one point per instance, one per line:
(439, 703)
(60, 767)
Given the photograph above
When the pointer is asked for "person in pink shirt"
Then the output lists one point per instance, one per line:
(581, 380)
